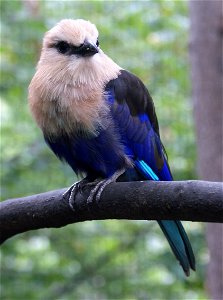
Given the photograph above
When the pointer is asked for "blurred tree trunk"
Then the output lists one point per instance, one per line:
(206, 72)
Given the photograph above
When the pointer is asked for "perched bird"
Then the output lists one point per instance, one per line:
(100, 118)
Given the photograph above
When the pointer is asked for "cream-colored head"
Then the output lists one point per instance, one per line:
(66, 92)
(72, 31)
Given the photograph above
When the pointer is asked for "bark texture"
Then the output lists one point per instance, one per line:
(148, 200)
(207, 83)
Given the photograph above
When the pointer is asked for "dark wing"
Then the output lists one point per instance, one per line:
(134, 115)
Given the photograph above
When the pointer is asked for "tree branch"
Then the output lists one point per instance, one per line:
(174, 200)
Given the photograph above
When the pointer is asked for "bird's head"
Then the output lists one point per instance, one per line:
(71, 40)
(71, 51)
(71, 74)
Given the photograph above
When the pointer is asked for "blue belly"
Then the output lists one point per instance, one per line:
(100, 155)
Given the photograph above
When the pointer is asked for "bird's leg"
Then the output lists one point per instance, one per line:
(97, 191)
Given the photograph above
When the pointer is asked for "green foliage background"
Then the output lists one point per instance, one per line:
(109, 259)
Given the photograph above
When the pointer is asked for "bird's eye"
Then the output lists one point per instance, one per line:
(62, 47)
(97, 43)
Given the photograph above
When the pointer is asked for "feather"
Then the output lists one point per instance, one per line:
(151, 163)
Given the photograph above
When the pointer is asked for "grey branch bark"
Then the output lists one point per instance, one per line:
(150, 200)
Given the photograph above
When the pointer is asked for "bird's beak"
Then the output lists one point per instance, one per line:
(89, 48)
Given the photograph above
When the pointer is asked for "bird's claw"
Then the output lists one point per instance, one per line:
(95, 194)
(73, 190)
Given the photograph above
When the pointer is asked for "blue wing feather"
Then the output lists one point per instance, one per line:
(140, 136)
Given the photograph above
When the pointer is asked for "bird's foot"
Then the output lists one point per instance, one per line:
(73, 190)
(95, 194)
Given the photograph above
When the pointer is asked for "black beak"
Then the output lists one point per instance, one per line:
(88, 49)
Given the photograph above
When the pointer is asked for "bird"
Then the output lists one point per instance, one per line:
(99, 118)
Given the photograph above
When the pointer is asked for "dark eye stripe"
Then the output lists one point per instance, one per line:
(63, 47)
(66, 48)
(84, 49)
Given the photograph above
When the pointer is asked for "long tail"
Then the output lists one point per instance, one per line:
(173, 230)
(179, 243)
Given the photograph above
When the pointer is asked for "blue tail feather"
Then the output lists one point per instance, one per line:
(146, 170)
(188, 248)
(179, 243)
(173, 230)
